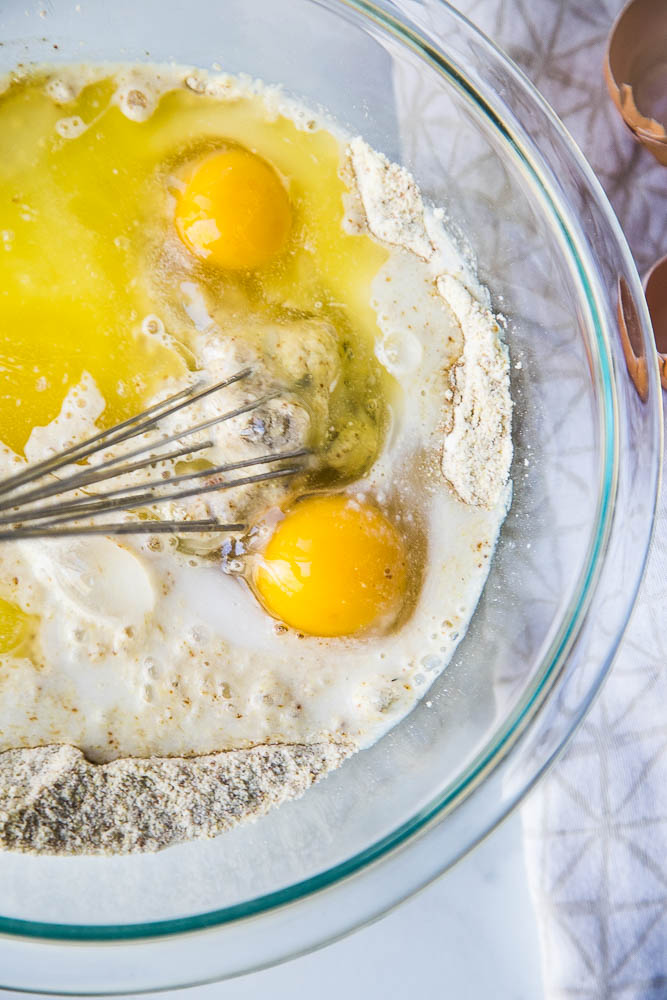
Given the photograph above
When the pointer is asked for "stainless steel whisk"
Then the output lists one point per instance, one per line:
(31, 504)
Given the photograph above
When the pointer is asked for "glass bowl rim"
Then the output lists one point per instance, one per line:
(572, 619)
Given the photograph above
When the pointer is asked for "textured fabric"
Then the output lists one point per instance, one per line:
(596, 828)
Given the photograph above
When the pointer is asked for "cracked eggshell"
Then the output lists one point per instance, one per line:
(655, 289)
(636, 72)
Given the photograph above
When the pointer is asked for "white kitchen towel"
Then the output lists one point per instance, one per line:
(596, 828)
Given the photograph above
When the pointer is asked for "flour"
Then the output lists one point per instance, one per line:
(477, 450)
(391, 200)
(53, 801)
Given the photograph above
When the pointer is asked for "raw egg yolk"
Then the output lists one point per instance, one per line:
(333, 567)
(234, 210)
(13, 626)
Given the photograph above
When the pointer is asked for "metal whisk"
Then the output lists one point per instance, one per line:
(32, 504)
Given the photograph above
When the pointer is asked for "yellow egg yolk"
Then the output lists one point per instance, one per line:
(13, 626)
(333, 567)
(234, 210)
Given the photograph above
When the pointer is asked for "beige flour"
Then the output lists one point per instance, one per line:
(477, 450)
(53, 801)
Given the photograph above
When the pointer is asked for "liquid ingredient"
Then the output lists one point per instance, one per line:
(333, 567)
(234, 211)
(90, 264)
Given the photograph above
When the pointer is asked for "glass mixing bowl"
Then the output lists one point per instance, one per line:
(421, 84)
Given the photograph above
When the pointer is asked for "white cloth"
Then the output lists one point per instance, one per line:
(596, 828)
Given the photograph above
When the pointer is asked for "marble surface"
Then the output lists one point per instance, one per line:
(473, 932)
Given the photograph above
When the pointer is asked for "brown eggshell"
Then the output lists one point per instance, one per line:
(629, 328)
(636, 72)
(655, 289)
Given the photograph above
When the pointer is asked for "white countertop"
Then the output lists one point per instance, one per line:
(469, 936)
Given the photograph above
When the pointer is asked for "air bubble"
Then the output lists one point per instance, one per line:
(137, 105)
(232, 566)
(151, 667)
(152, 325)
(196, 84)
(71, 128)
(199, 634)
(60, 91)
(399, 352)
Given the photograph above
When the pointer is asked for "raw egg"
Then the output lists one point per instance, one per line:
(234, 210)
(333, 567)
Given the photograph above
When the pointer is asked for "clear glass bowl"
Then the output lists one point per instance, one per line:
(421, 84)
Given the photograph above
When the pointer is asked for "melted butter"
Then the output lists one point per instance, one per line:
(68, 298)
(81, 216)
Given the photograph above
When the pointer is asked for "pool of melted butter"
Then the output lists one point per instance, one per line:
(88, 251)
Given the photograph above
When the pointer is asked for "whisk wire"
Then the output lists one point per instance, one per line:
(142, 501)
(90, 475)
(98, 474)
(89, 503)
(129, 428)
(126, 528)
(20, 520)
